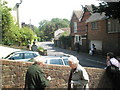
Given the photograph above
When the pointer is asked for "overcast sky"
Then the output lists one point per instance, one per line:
(38, 10)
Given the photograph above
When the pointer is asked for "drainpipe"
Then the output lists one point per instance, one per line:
(87, 37)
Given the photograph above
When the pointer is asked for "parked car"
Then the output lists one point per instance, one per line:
(22, 55)
(58, 60)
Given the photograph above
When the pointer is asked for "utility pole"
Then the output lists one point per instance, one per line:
(17, 6)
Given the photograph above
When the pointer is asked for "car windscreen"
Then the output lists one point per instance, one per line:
(16, 56)
(8, 55)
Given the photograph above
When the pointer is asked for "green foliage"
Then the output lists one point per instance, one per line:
(65, 33)
(40, 49)
(111, 9)
(26, 34)
(11, 33)
(18, 35)
(66, 41)
(7, 21)
(47, 28)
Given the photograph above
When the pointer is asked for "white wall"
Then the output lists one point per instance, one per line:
(98, 44)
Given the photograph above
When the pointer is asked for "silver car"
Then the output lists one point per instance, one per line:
(57, 60)
(22, 55)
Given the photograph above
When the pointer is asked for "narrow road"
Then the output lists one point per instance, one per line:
(84, 58)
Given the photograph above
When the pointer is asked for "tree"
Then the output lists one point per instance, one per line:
(11, 33)
(7, 21)
(111, 9)
(47, 28)
(26, 34)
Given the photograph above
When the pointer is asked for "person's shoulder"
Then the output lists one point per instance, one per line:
(80, 68)
(113, 59)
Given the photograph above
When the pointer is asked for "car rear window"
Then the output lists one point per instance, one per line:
(56, 61)
(66, 61)
(35, 55)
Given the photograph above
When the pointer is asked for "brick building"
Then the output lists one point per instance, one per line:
(104, 33)
(78, 27)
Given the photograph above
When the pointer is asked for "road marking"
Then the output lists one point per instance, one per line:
(95, 61)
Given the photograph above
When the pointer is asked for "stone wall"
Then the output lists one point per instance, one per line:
(13, 75)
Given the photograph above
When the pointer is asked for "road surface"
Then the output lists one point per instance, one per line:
(84, 58)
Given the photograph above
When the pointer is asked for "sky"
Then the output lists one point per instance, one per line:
(38, 10)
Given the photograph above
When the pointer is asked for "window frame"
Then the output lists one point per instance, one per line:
(113, 26)
(75, 27)
(94, 25)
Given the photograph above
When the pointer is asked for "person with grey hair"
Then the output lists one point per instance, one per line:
(78, 78)
(35, 78)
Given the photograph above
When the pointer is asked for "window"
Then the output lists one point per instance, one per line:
(84, 36)
(56, 61)
(28, 55)
(75, 27)
(66, 61)
(94, 25)
(17, 56)
(78, 39)
(113, 26)
(35, 55)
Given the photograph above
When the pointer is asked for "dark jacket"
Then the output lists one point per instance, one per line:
(35, 79)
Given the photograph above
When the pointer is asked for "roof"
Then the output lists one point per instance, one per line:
(65, 29)
(89, 8)
(24, 52)
(96, 17)
(78, 13)
(60, 31)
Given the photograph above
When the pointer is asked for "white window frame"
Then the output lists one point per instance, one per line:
(78, 39)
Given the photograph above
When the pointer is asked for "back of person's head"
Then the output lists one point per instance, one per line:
(110, 54)
(33, 42)
(73, 60)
